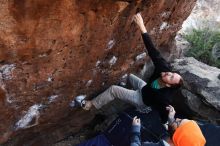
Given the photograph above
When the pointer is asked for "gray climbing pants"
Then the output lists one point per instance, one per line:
(133, 97)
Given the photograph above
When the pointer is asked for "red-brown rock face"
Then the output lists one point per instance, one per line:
(54, 50)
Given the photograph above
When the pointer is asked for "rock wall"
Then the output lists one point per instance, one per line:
(205, 14)
(54, 50)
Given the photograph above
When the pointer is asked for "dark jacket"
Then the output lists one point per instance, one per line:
(136, 140)
(157, 98)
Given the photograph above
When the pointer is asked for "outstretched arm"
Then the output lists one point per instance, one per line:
(154, 54)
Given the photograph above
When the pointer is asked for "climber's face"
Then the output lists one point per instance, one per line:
(170, 78)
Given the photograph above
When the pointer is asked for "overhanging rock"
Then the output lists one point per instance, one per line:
(54, 50)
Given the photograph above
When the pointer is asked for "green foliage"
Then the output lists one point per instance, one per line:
(202, 42)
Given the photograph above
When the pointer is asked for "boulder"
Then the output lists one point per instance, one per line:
(52, 51)
(201, 89)
(204, 15)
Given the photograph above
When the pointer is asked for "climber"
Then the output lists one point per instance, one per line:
(157, 93)
(185, 132)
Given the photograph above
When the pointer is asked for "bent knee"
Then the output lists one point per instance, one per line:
(113, 87)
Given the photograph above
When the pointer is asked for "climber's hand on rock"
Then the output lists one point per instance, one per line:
(139, 21)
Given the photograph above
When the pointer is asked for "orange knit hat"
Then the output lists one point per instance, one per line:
(188, 134)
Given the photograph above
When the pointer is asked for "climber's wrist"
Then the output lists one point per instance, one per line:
(143, 28)
(171, 121)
